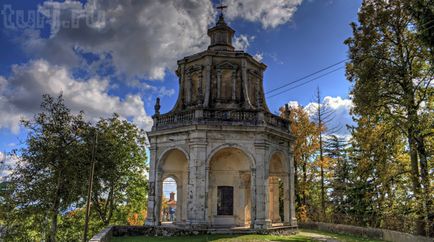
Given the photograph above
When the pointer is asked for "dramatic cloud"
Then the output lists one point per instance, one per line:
(142, 38)
(131, 39)
(340, 109)
(242, 42)
(20, 95)
(269, 13)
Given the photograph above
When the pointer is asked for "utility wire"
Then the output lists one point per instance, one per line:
(307, 76)
(304, 83)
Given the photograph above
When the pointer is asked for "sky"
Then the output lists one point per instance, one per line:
(110, 56)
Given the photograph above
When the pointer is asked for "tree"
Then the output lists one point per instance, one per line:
(423, 12)
(48, 176)
(43, 199)
(305, 148)
(379, 194)
(323, 118)
(392, 82)
(120, 182)
(336, 151)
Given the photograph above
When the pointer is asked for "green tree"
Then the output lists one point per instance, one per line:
(44, 197)
(336, 151)
(49, 175)
(423, 12)
(379, 193)
(120, 183)
(392, 82)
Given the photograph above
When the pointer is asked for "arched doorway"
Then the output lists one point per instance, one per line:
(173, 172)
(278, 202)
(229, 199)
(169, 201)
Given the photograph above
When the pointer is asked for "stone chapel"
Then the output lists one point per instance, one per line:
(228, 154)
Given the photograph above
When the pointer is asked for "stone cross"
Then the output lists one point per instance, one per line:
(221, 7)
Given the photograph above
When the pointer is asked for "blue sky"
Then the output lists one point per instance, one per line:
(123, 56)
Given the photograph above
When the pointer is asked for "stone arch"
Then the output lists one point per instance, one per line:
(280, 156)
(236, 146)
(173, 162)
(278, 187)
(230, 186)
(168, 150)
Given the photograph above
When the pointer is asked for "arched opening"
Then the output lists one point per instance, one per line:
(229, 199)
(277, 188)
(169, 200)
(173, 177)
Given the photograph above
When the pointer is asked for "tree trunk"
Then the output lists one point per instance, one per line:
(304, 182)
(424, 175)
(322, 177)
(55, 211)
(415, 182)
(296, 183)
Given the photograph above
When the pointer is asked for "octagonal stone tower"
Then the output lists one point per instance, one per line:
(226, 151)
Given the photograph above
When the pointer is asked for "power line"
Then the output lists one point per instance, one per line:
(304, 83)
(321, 70)
(307, 76)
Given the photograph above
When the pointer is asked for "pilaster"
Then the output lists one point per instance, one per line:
(207, 81)
(196, 202)
(150, 219)
(262, 220)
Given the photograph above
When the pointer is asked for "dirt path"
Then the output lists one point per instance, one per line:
(319, 237)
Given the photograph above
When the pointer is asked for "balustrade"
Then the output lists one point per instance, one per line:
(247, 117)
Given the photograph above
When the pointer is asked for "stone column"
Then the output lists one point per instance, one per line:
(234, 84)
(286, 201)
(219, 84)
(158, 198)
(244, 79)
(188, 88)
(150, 218)
(253, 198)
(179, 208)
(262, 220)
(274, 200)
(291, 190)
(207, 81)
(200, 96)
(196, 204)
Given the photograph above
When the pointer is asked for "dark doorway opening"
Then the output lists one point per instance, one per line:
(225, 202)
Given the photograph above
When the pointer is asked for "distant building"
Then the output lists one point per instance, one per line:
(220, 143)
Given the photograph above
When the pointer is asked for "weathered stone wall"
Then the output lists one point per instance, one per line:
(120, 231)
(104, 236)
(372, 233)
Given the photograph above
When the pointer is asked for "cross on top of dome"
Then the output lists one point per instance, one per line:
(221, 7)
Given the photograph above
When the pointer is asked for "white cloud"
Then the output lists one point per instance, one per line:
(7, 164)
(21, 95)
(143, 38)
(340, 109)
(293, 104)
(269, 13)
(242, 42)
(258, 57)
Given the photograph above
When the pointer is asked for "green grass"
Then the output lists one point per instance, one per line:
(303, 235)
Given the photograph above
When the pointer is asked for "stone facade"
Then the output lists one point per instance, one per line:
(220, 143)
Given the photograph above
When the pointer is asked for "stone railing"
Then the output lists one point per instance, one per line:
(276, 121)
(227, 117)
